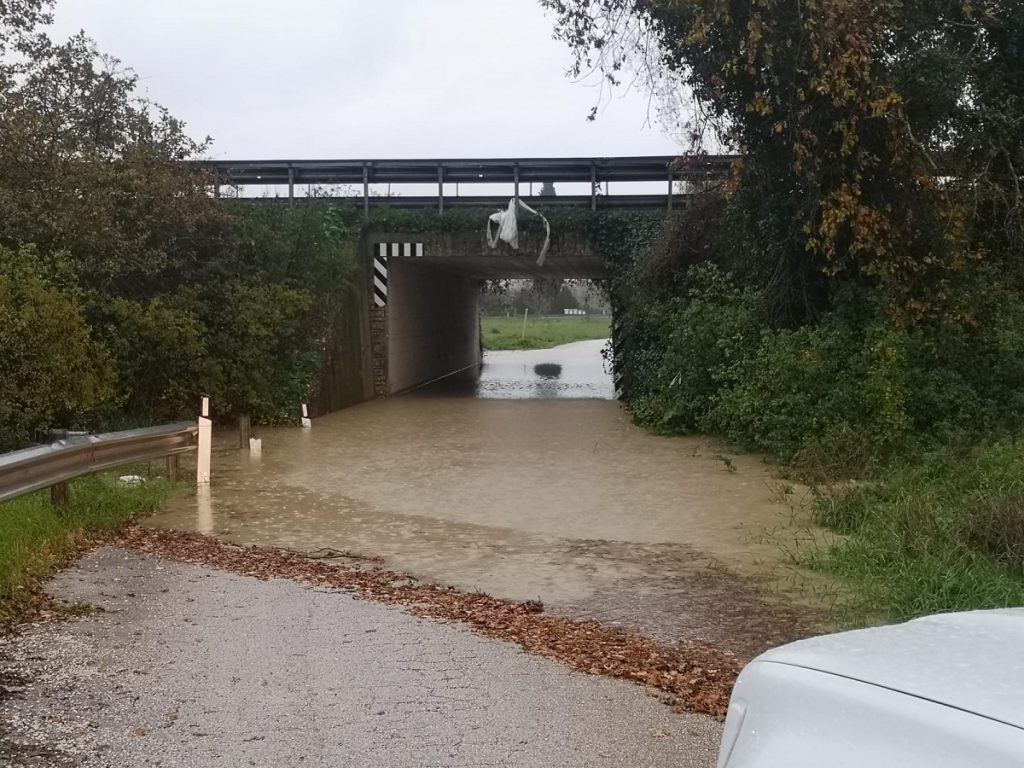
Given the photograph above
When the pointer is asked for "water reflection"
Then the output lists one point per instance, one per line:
(546, 386)
(204, 510)
(548, 370)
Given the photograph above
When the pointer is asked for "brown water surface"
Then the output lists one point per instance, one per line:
(511, 484)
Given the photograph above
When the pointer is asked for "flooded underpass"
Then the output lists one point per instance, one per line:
(526, 481)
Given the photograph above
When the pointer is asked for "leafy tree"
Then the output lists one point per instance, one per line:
(181, 293)
(270, 302)
(868, 238)
(882, 141)
(564, 299)
(162, 356)
(51, 367)
(88, 167)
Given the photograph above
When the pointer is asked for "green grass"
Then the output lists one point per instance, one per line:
(542, 332)
(36, 538)
(942, 533)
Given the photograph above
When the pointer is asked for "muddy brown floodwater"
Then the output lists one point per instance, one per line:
(526, 482)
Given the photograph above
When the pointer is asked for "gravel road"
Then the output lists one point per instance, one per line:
(188, 666)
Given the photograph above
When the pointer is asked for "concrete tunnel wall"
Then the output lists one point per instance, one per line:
(433, 324)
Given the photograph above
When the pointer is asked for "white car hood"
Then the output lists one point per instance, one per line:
(973, 661)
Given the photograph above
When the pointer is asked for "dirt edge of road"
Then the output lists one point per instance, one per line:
(693, 677)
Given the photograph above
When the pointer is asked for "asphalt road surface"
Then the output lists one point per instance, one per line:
(188, 666)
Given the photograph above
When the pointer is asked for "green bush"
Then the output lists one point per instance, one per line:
(51, 368)
(829, 396)
(143, 290)
(268, 305)
(839, 397)
(161, 356)
(967, 376)
(265, 359)
(691, 342)
(944, 532)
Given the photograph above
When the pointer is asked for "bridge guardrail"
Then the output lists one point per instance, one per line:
(53, 465)
(484, 201)
(667, 169)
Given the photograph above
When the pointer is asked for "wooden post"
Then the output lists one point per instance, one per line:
(515, 176)
(291, 185)
(243, 431)
(205, 443)
(60, 494)
(593, 187)
(173, 467)
(670, 187)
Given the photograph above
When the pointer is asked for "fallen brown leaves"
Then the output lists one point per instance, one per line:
(697, 677)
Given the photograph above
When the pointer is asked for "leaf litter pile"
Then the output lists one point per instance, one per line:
(693, 677)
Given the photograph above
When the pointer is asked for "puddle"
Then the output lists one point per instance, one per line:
(523, 491)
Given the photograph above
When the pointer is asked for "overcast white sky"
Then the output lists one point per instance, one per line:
(362, 79)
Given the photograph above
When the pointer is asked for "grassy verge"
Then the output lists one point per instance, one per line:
(943, 533)
(36, 538)
(542, 332)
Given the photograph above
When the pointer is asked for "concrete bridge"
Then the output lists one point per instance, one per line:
(414, 313)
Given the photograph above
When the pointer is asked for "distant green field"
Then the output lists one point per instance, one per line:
(542, 332)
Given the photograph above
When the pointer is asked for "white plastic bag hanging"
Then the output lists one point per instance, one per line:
(508, 228)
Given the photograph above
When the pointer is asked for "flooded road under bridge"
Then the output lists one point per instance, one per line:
(527, 481)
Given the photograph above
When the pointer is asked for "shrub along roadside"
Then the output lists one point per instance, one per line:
(37, 538)
(875, 219)
(943, 533)
(925, 412)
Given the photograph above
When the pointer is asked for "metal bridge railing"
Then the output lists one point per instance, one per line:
(595, 171)
(52, 466)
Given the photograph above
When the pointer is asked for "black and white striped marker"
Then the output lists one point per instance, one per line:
(380, 266)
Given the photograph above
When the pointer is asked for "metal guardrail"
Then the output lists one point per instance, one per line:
(53, 465)
(482, 201)
(468, 170)
(667, 169)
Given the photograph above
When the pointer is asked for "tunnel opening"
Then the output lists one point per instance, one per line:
(426, 289)
(433, 324)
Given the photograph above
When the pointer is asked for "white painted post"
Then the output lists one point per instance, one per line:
(526, 313)
(205, 444)
(306, 421)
